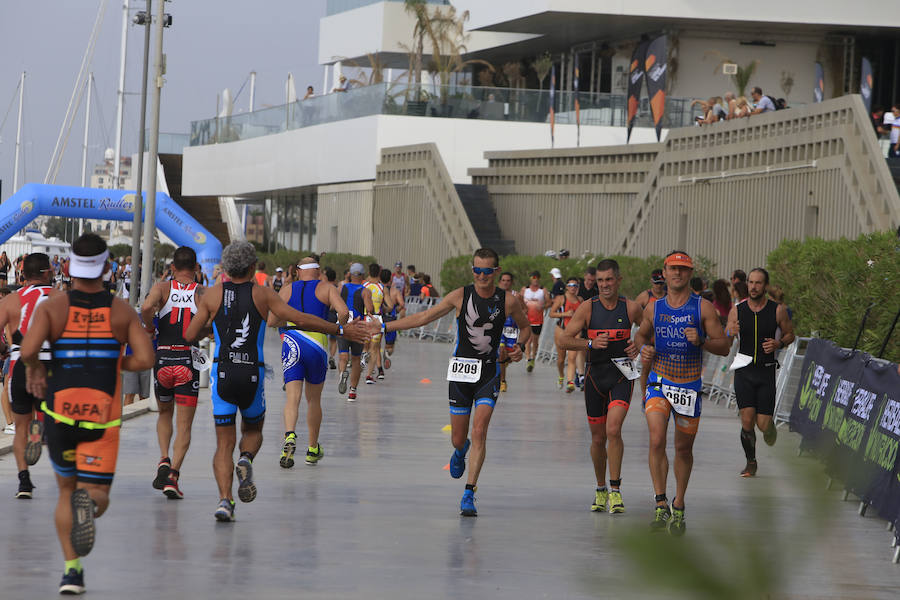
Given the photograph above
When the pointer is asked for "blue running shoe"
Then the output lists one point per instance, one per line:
(244, 471)
(467, 504)
(458, 461)
(72, 582)
(225, 511)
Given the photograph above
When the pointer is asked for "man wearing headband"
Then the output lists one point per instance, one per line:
(177, 380)
(235, 312)
(382, 302)
(674, 332)
(474, 372)
(16, 313)
(304, 357)
(86, 328)
(359, 302)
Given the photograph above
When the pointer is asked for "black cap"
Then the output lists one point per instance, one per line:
(656, 276)
(536, 274)
(563, 252)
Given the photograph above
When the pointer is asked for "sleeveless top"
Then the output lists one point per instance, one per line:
(754, 328)
(29, 298)
(238, 327)
(377, 291)
(84, 380)
(175, 316)
(615, 323)
(567, 306)
(398, 282)
(480, 324)
(352, 295)
(303, 298)
(535, 315)
(677, 360)
(277, 283)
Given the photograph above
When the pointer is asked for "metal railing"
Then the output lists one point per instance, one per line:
(428, 100)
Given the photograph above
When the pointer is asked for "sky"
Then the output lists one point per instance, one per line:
(212, 45)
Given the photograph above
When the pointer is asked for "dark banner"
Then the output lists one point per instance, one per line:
(819, 90)
(878, 484)
(866, 84)
(635, 83)
(655, 65)
(846, 462)
(577, 107)
(552, 101)
(826, 381)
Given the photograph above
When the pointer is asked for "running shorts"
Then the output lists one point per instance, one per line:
(536, 330)
(302, 359)
(754, 387)
(345, 346)
(237, 386)
(87, 454)
(391, 336)
(484, 391)
(605, 386)
(655, 401)
(175, 377)
(21, 402)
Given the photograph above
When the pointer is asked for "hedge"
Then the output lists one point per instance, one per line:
(829, 284)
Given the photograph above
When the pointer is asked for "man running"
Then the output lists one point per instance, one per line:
(536, 300)
(278, 280)
(756, 322)
(674, 332)
(563, 309)
(304, 357)
(16, 314)
(510, 334)
(86, 328)
(359, 303)
(656, 291)
(473, 372)
(176, 378)
(400, 284)
(235, 310)
(609, 379)
(381, 299)
(396, 311)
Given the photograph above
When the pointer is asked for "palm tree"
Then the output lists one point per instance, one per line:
(542, 66)
(446, 32)
(419, 10)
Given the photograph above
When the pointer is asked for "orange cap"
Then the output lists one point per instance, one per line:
(679, 259)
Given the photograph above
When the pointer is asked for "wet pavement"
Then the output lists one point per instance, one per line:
(378, 517)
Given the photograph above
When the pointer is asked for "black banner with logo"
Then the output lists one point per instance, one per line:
(655, 65)
(866, 83)
(635, 83)
(819, 90)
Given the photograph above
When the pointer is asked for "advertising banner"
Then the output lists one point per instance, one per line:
(577, 108)
(635, 83)
(552, 101)
(819, 90)
(876, 482)
(866, 83)
(655, 65)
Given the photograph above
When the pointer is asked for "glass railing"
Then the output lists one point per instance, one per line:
(169, 143)
(493, 104)
(332, 7)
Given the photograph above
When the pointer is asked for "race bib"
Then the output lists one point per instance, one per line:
(464, 370)
(199, 359)
(630, 369)
(683, 400)
(511, 333)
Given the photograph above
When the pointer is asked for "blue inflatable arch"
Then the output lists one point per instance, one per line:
(33, 200)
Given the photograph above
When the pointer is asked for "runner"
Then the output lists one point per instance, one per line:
(609, 380)
(656, 291)
(359, 302)
(86, 328)
(400, 283)
(176, 377)
(673, 334)
(16, 314)
(536, 300)
(262, 278)
(303, 357)
(564, 309)
(278, 280)
(380, 301)
(234, 310)
(757, 321)
(329, 276)
(473, 372)
(510, 334)
(397, 308)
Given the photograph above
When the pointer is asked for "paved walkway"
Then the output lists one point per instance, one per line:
(378, 517)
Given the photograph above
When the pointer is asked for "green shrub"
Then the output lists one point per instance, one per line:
(457, 271)
(829, 284)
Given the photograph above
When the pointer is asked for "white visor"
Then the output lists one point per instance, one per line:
(87, 267)
(308, 266)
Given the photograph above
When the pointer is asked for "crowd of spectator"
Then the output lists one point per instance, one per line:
(728, 107)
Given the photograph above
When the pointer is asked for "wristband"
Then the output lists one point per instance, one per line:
(521, 347)
(383, 327)
(340, 329)
(591, 344)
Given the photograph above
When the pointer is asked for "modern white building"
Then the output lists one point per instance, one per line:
(494, 99)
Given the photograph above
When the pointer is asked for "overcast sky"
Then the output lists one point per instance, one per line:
(212, 45)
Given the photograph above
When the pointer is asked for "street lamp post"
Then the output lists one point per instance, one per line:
(141, 18)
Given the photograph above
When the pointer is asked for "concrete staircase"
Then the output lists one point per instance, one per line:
(894, 166)
(477, 202)
(203, 208)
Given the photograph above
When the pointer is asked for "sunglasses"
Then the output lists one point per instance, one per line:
(484, 270)
(571, 285)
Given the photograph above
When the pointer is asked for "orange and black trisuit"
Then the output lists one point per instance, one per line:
(605, 385)
(84, 388)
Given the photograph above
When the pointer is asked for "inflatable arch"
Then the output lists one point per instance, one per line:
(34, 200)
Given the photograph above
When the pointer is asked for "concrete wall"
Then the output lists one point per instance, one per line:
(344, 218)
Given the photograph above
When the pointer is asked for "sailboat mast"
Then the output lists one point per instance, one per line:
(19, 134)
(120, 104)
(84, 146)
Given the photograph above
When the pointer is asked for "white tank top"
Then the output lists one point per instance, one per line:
(534, 295)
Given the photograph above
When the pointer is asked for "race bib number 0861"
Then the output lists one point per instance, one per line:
(464, 370)
(683, 400)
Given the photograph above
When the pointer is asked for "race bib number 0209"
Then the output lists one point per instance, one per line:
(683, 400)
(464, 370)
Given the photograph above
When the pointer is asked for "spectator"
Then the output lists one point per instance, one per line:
(697, 285)
(344, 84)
(894, 151)
(777, 295)
(738, 275)
(741, 108)
(721, 299)
(415, 284)
(563, 254)
(10, 428)
(5, 264)
(559, 286)
(428, 290)
(741, 292)
(715, 105)
(310, 93)
(703, 118)
(262, 278)
(731, 103)
(764, 104)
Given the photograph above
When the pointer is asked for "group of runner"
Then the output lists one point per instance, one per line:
(69, 356)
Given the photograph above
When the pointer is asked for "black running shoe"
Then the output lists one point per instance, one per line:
(25, 486)
(82, 535)
(72, 583)
(244, 471)
(331, 364)
(162, 473)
